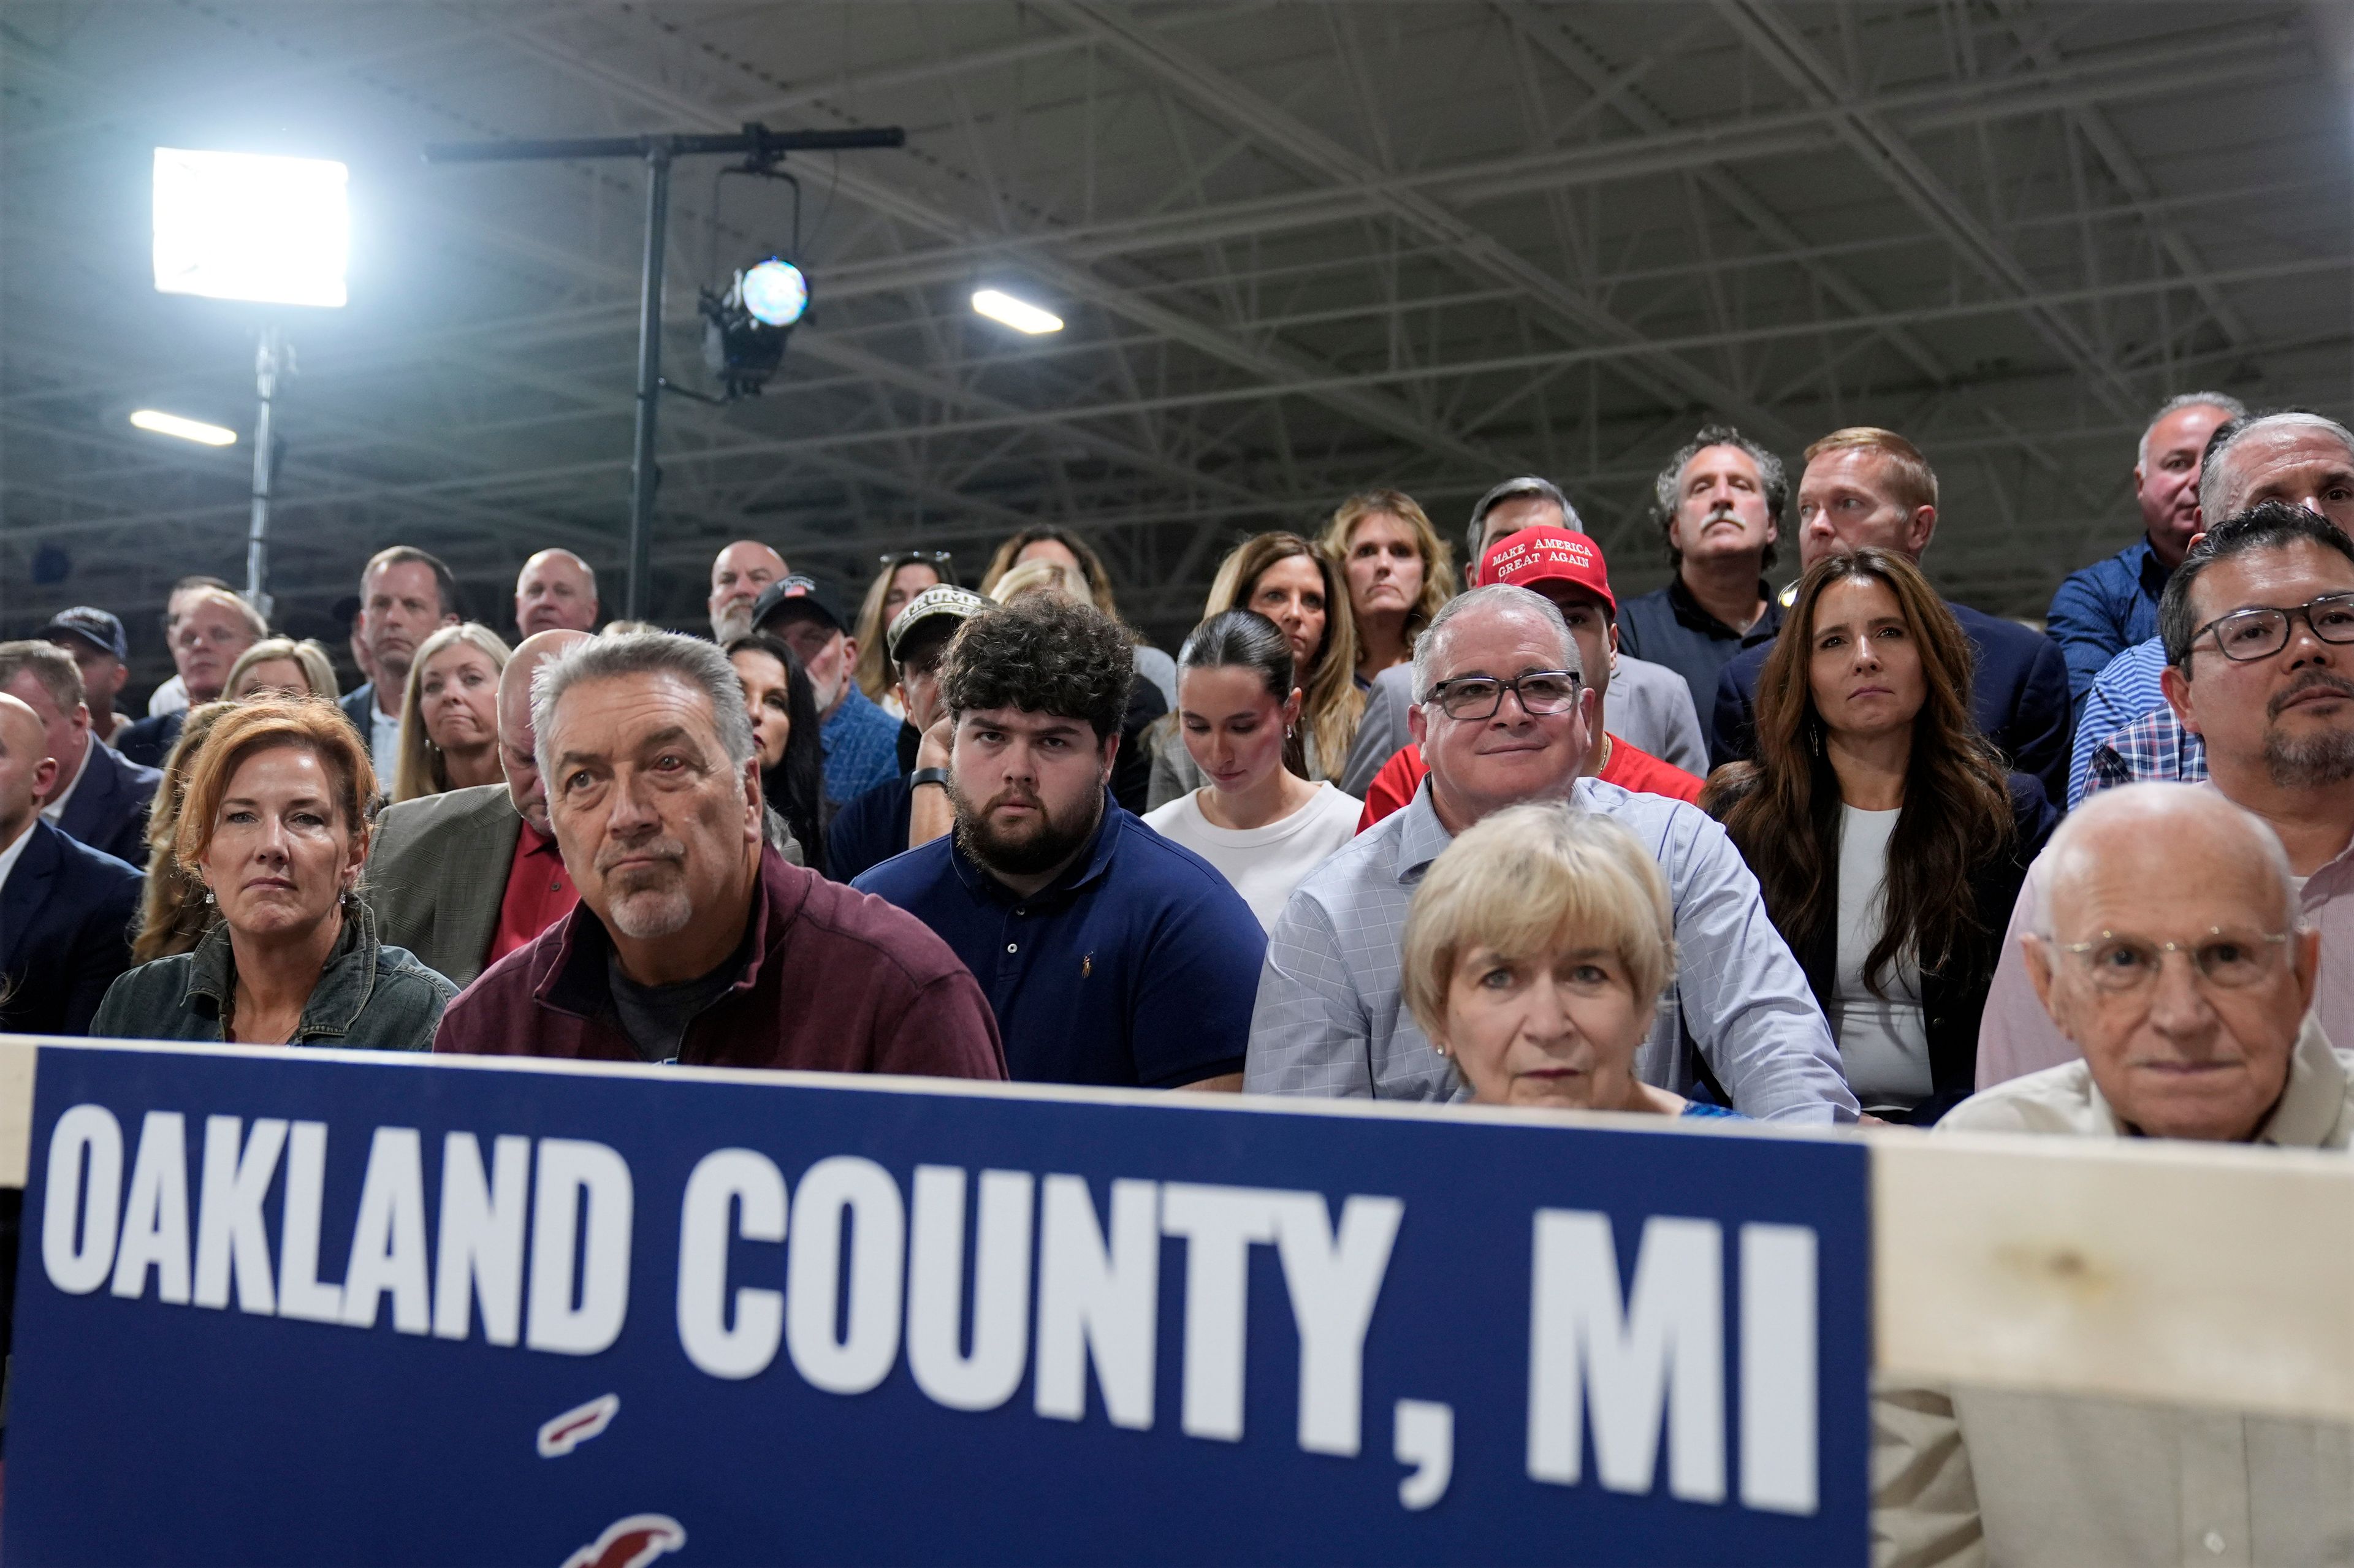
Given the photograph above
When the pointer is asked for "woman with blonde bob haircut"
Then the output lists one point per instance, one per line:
(1398, 572)
(279, 666)
(449, 714)
(275, 826)
(1536, 951)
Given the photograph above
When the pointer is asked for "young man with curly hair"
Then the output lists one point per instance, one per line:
(1110, 954)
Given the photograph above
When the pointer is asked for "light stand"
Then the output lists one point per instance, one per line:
(273, 355)
(762, 146)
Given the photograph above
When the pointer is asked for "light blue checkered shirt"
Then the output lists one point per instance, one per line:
(2126, 689)
(1330, 1021)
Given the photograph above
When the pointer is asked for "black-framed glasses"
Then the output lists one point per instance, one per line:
(1540, 693)
(2248, 634)
(2230, 960)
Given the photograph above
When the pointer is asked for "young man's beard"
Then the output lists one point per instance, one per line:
(1053, 840)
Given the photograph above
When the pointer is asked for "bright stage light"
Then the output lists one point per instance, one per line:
(241, 225)
(186, 430)
(775, 292)
(1019, 315)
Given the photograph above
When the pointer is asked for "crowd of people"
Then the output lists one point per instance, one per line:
(1381, 828)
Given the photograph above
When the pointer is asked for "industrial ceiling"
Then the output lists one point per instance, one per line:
(1301, 250)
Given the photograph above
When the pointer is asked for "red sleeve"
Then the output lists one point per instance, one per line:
(945, 1031)
(1393, 787)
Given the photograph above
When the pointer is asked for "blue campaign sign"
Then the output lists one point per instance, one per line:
(319, 1307)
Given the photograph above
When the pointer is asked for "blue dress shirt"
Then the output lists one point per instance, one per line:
(2103, 610)
(1134, 968)
(2126, 689)
(862, 747)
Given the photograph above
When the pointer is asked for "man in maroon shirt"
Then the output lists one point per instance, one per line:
(427, 870)
(693, 942)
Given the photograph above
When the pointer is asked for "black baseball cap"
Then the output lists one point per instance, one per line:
(796, 595)
(98, 627)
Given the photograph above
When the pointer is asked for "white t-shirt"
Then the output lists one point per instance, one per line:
(1883, 1042)
(1264, 863)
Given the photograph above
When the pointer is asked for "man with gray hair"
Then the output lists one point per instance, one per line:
(693, 942)
(2258, 625)
(2109, 605)
(1650, 707)
(1718, 503)
(2170, 950)
(2124, 731)
(1502, 718)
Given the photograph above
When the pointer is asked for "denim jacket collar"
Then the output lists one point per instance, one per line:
(344, 988)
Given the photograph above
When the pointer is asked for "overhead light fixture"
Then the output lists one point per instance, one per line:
(1019, 315)
(244, 226)
(744, 330)
(194, 431)
(776, 291)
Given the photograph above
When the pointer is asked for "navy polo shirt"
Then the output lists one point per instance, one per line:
(1138, 967)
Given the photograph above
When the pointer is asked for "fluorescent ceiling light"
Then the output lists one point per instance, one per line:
(186, 430)
(1019, 315)
(241, 226)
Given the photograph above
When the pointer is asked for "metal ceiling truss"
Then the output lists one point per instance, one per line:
(1301, 250)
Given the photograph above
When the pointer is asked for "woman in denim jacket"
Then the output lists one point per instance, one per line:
(275, 826)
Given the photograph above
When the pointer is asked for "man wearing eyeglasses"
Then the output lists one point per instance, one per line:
(2127, 733)
(1503, 716)
(2171, 948)
(2258, 630)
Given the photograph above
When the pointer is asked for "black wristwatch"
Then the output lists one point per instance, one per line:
(923, 776)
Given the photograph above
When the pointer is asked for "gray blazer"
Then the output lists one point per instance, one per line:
(437, 873)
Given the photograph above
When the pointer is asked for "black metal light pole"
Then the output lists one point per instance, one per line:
(757, 142)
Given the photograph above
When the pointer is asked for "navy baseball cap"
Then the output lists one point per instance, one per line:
(101, 630)
(797, 595)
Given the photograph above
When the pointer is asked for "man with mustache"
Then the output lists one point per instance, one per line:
(739, 574)
(693, 942)
(2106, 608)
(2258, 628)
(1111, 954)
(1719, 502)
(406, 595)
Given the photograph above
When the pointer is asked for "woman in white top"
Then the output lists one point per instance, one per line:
(1887, 839)
(1261, 825)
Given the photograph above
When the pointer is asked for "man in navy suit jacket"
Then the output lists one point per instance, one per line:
(1865, 486)
(99, 798)
(65, 910)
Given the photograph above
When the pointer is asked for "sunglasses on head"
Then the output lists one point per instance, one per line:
(941, 561)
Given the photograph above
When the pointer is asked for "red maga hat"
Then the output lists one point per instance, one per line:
(1536, 554)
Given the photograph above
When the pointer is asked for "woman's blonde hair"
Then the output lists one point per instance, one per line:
(1438, 583)
(318, 669)
(172, 911)
(874, 672)
(1333, 704)
(315, 726)
(1533, 880)
(421, 770)
(1047, 577)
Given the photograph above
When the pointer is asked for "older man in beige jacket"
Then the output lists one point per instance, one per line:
(2170, 951)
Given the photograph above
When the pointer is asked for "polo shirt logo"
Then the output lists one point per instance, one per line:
(1087, 965)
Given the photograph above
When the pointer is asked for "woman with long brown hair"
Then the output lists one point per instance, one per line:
(1887, 838)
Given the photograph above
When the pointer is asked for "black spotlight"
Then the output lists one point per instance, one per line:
(744, 330)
